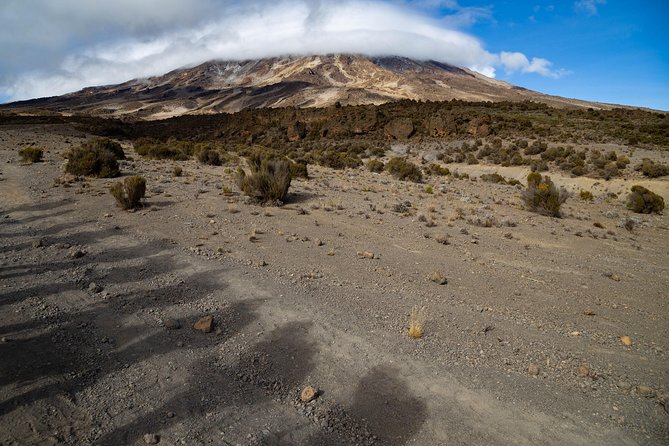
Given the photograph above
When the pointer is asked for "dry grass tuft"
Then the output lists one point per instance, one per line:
(417, 322)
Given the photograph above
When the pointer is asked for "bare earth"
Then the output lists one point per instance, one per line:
(521, 346)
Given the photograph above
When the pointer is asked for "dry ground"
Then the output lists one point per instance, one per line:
(521, 346)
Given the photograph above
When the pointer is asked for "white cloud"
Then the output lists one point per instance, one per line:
(588, 6)
(104, 45)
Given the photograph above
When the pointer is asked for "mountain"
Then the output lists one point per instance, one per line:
(312, 81)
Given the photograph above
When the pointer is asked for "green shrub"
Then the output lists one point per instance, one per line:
(106, 144)
(129, 192)
(268, 181)
(404, 170)
(91, 160)
(173, 150)
(31, 154)
(177, 171)
(493, 178)
(652, 169)
(643, 201)
(375, 166)
(429, 190)
(337, 160)
(586, 195)
(436, 169)
(542, 196)
(209, 156)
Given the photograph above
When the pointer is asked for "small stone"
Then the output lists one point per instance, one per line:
(308, 394)
(77, 254)
(588, 312)
(624, 385)
(151, 438)
(172, 324)
(170, 414)
(38, 243)
(645, 391)
(365, 254)
(438, 278)
(583, 371)
(533, 369)
(575, 333)
(626, 340)
(205, 324)
(318, 242)
(94, 287)
(4, 339)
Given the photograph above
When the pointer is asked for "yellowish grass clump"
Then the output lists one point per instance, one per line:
(417, 322)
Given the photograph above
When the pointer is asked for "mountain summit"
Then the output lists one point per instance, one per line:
(311, 81)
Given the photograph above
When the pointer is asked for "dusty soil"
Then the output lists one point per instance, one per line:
(522, 345)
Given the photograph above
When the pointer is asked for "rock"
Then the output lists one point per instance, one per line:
(624, 386)
(151, 438)
(308, 394)
(400, 128)
(38, 243)
(588, 312)
(94, 287)
(533, 369)
(204, 324)
(583, 371)
(170, 414)
(438, 278)
(318, 242)
(77, 254)
(626, 340)
(645, 391)
(366, 255)
(172, 324)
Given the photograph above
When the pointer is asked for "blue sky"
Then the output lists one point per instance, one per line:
(601, 50)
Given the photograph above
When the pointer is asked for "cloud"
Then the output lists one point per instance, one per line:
(99, 43)
(518, 62)
(588, 6)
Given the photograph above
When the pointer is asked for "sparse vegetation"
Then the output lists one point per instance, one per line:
(31, 155)
(298, 169)
(404, 170)
(268, 181)
(652, 169)
(375, 165)
(417, 322)
(92, 160)
(542, 196)
(129, 192)
(177, 171)
(209, 156)
(586, 195)
(644, 201)
(106, 144)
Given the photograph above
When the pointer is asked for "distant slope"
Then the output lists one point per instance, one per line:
(313, 81)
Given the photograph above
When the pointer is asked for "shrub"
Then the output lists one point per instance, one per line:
(129, 192)
(106, 144)
(209, 156)
(493, 178)
(174, 150)
(436, 169)
(429, 190)
(268, 181)
(652, 169)
(298, 169)
(375, 166)
(643, 201)
(586, 195)
(91, 160)
(417, 322)
(542, 196)
(177, 171)
(31, 154)
(404, 170)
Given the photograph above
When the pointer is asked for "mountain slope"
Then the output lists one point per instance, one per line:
(313, 81)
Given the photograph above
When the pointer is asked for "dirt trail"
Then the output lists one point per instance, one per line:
(87, 291)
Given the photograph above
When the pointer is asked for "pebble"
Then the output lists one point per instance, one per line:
(151, 438)
(77, 254)
(38, 243)
(94, 287)
(308, 394)
(645, 391)
(626, 340)
(366, 254)
(204, 324)
(533, 369)
(583, 371)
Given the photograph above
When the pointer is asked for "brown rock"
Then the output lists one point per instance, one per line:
(172, 324)
(365, 254)
(583, 371)
(77, 254)
(438, 278)
(308, 394)
(626, 340)
(533, 369)
(645, 391)
(205, 324)
(400, 128)
(588, 312)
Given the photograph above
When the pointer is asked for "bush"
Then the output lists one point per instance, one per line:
(209, 156)
(31, 154)
(652, 169)
(404, 170)
(643, 201)
(106, 144)
(298, 169)
(268, 181)
(174, 150)
(542, 196)
(436, 169)
(586, 195)
(129, 192)
(177, 171)
(375, 166)
(92, 160)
